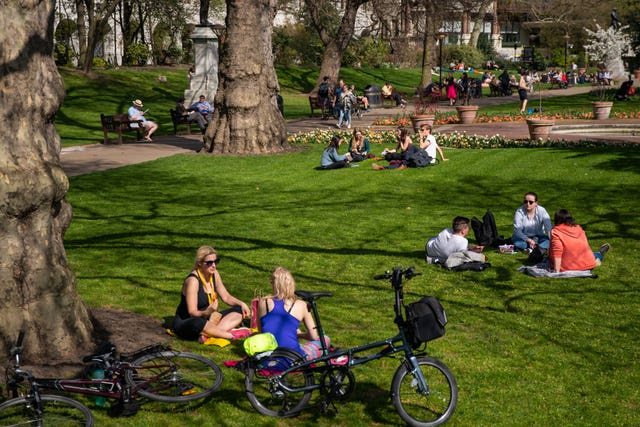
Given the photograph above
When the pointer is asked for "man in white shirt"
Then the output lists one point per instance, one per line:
(428, 143)
(451, 240)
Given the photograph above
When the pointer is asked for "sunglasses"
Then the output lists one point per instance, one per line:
(210, 263)
(528, 202)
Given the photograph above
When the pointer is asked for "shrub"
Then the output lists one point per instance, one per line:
(471, 56)
(63, 54)
(294, 44)
(99, 62)
(137, 54)
(366, 50)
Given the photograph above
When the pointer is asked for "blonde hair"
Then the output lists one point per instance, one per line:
(283, 284)
(202, 253)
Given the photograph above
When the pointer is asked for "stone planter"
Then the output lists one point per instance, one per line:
(467, 113)
(539, 128)
(601, 109)
(420, 119)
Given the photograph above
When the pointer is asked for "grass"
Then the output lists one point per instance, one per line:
(112, 91)
(524, 351)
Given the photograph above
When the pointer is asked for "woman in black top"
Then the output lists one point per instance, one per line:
(197, 315)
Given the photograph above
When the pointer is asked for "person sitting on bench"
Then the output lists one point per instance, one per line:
(388, 92)
(135, 113)
(191, 115)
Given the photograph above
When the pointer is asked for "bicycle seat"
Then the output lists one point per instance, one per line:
(104, 351)
(309, 296)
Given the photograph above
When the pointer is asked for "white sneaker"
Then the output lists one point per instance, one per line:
(349, 126)
(338, 125)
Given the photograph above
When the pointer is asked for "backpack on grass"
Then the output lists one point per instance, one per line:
(486, 232)
(418, 159)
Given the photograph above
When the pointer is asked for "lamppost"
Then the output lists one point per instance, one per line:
(515, 50)
(441, 36)
(532, 38)
(566, 49)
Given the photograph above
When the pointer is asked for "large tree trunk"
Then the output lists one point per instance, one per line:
(37, 286)
(246, 119)
(336, 43)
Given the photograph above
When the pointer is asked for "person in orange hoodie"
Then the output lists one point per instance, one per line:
(569, 249)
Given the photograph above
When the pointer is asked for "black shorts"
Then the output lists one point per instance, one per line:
(523, 94)
(191, 327)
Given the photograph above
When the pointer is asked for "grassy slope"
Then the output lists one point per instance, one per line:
(525, 351)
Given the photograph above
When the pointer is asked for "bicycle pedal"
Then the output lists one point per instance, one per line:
(187, 389)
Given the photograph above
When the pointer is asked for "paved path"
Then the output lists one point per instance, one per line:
(92, 158)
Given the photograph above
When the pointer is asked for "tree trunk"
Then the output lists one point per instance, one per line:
(37, 287)
(246, 119)
(483, 8)
(336, 43)
(81, 11)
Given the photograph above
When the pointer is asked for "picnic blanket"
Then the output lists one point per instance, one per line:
(543, 270)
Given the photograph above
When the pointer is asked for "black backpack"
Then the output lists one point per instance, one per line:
(323, 90)
(418, 159)
(486, 232)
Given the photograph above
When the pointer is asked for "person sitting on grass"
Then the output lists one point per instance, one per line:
(569, 248)
(428, 143)
(281, 314)
(531, 225)
(197, 315)
(397, 157)
(451, 240)
(330, 157)
(359, 146)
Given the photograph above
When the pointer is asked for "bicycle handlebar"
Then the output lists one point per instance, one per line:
(396, 275)
(17, 349)
(20, 338)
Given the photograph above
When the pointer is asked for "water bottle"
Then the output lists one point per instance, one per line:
(98, 374)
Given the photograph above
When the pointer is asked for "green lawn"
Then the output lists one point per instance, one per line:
(525, 351)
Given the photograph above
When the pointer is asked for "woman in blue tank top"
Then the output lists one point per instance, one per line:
(281, 314)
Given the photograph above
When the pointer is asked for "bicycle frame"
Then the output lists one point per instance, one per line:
(113, 386)
(324, 362)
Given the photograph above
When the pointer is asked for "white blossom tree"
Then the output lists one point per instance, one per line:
(608, 46)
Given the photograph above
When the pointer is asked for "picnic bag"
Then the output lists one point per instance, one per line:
(259, 343)
(426, 320)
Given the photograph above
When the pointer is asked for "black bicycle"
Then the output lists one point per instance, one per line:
(37, 409)
(155, 372)
(423, 389)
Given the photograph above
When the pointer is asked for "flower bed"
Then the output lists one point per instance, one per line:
(455, 140)
(452, 118)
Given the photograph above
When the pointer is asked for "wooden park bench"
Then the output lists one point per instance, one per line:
(558, 83)
(119, 123)
(314, 104)
(180, 120)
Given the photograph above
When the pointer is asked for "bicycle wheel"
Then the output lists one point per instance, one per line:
(432, 408)
(173, 376)
(265, 393)
(56, 411)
